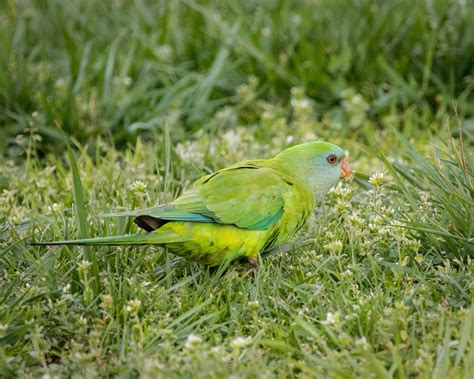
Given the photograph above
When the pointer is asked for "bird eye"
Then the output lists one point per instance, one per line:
(331, 159)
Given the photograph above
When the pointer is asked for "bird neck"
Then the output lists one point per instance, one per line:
(315, 182)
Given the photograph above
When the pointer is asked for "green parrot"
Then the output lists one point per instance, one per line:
(239, 211)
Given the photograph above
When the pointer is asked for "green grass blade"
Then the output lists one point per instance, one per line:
(80, 207)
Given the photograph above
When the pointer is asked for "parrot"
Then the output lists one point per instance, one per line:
(240, 211)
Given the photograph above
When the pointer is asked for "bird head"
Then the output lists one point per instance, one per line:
(318, 164)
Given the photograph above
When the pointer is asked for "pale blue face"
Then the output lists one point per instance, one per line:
(317, 163)
(327, 170)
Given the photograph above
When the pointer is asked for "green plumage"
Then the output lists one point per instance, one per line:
(239, 211)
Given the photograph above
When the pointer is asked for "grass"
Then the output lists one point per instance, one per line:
(370, 297)
(385, 290)
(122, 67)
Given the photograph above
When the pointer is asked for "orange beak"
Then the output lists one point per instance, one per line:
(345, 169)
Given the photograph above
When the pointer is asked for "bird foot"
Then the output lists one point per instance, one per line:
(253, 261)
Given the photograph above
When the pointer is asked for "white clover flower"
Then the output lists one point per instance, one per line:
(301, 104)
(217, 351)
(347, 273)
(190, 151)
(247, 92)
(253, 304)
(384, 231)
(375, 223)
(355, 220)
(425, 197)
(240, 342)
(232, 139)
(398, 227)
(66, 288)
(377, 179)
(193, 341)
(362, 342)
(137, 187)
(334, 247)
(357, 99)
(133, 306)
(341, 191)
(107, 302)
(413, 244)
(332, 319)
(388, 211)
(165, 52)
(226, 115)
(82, 321)
(84, 266)
(355, 106)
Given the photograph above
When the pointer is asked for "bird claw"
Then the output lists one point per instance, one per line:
(253, 261)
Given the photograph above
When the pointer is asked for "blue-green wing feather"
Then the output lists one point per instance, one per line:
(246, 195)
(250, 197)
(165, 212)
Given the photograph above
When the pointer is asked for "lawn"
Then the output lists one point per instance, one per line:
(108, 106)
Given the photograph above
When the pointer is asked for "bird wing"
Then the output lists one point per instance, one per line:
(247, 195)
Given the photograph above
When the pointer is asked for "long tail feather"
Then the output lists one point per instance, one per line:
(119, 214)
(134, 213)
(152, 238)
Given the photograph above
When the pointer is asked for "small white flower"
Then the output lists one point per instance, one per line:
(347, 273)
(425, 197)
(240, 342)
(232, 139)
(377, 179)
(137, 187)
(82, 321)
(341, 191)
(84, 266)
(334, 247)
(355, 220)
(362, 342)
(192, 341)
(107, 302)
(413, 244)
(165, 52)
(253, 304)
(301, 106)
(332, 319)
(190, 152)
(384, 231)
(133, 306)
